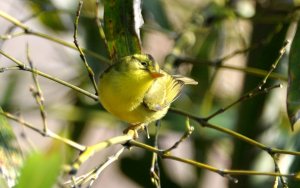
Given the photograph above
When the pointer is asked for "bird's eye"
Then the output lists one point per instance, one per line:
(144, 63)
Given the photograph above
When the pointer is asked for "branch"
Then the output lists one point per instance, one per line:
(224, 173)
(91, 150)
(92, 175)
(37, 93)
(189, 130)
(29, 31)
(82, 56)
(23, 67)
(259, 88)
(234, 134)
(49, 133)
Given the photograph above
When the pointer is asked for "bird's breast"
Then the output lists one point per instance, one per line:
(123, 94)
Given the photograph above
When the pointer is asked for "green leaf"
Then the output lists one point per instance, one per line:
(40, 170)
(122, 20)
(293, 92)
(10, 154)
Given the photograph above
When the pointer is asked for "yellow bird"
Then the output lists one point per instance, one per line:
(137, 91)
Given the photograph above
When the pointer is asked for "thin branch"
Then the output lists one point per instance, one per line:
(82, 56)
(224, 173)
(259, 88)
(243, 98)
(29, 31)
(109, 161)
(216, 63)
(49, 133)
(274, 65)
(249, 70)
(37, 93)
(234, 134)
(88, 151)
(23, 67)
(10, 36)
(263, 42)
(154, 169)
(275, 158)
(91, 150)
(187, 133)
(92, 175)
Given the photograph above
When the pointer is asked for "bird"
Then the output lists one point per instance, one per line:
(137, 91)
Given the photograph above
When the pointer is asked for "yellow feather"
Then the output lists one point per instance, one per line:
(137, 91)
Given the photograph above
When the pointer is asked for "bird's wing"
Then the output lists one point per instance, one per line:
(165, 90)
(154, 98)
(185, 80)
(176, 85)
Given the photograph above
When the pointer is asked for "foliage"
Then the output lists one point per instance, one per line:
(236, 50)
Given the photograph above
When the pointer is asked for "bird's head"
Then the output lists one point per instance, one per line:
(142, 62)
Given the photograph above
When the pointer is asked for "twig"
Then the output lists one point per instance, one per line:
(74, 185)
(92, 175)
(243, 98)
(234, 134)
(37, 93)
(216, 63)
(257, 45)
(225, 173)
(82, 56)
(121, 139)
(23, 67)
(49, 133)
(10, 36)
(187, 133)
(154, 169)
(248, 70)
(259, 88)
(91, 150)
(23, 21)
(275, 158)
(29, 31)
(275, 185)
(109, 161)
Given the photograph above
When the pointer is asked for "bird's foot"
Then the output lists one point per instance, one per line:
(135, 129)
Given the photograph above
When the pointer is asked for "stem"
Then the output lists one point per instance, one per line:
(37, 93)
(23, 67)
(91, 150)
(82, 56)
(49, 133)
(29, 31)
(223, 173)
(204, 123)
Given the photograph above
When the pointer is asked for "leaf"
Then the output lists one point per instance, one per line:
(122, 20)
(10, 154)
(40, 170)
(293, 91)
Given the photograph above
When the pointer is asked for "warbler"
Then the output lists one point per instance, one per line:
(137, 91)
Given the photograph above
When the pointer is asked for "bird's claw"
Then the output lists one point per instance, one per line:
(135, 129)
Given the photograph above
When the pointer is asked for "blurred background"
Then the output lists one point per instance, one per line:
(220, 35)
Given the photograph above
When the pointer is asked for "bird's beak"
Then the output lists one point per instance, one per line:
(156, 74)
(155, 71)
